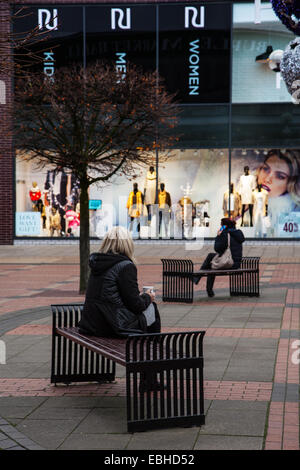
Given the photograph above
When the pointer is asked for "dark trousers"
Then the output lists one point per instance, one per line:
(211, 277)
(207, 265)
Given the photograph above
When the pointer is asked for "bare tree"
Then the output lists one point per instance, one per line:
(18, 53)
(18, 50)
(95, 122)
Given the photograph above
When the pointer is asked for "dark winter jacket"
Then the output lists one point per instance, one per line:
(113, 305)
(236, 240)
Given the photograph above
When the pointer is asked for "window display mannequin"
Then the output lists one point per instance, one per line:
(55, 222)
(135, 207)
(164, 208)
(63, 188)
(245, 187)
(260, 209)
(41, 208)
(186, 204)
(35, 194)
(150, 189)
(232, 200)
(201, 213)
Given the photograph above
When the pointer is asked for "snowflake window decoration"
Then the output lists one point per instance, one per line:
(288, 11)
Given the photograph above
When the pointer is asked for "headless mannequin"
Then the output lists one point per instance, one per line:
(231, 201)
(164, 207)
(149, 195)
(260, 201)
(231, 205)
(135, 204)
(246, 173)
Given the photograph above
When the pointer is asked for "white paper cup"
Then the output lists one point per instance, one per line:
(147, 288)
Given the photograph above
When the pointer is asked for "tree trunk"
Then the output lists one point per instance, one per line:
(84, 241)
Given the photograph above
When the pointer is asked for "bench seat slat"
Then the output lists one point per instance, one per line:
(226, 271)
(112, 348)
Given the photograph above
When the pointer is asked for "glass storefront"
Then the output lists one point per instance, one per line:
(234, 110)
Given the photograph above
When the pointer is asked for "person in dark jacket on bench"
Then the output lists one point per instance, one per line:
(113, 304)
(221, 242)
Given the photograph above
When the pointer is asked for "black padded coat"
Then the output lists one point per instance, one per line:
(113, 305)
(236, 240)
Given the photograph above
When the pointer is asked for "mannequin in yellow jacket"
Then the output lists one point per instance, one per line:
(135, 206)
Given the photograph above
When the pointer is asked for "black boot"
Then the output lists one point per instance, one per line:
(209, 285)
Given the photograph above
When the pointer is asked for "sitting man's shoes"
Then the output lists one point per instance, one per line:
(196, 279)
(210, 293)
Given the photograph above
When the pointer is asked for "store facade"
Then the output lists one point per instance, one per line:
(234, 110)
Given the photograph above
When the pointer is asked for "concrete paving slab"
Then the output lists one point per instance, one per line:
(212, 442)
(250, 370)
(47, 433)
(82, 402)
(19, 370)
(59, 413)
(165, 439)
(90, 441)
(237, 405)
(112, 420)
(226, 422)
(12, 411)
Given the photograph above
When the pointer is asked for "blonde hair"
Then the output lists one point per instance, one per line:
(293, 186)
(292, 158)
(119, 242)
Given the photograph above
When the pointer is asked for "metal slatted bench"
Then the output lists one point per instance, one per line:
(178, 275)
(175, 359)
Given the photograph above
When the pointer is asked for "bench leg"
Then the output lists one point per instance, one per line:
(244, 284)
(74, 363)
(178, 398)
(177, 280)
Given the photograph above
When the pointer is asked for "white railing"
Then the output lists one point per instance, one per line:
(258, 6)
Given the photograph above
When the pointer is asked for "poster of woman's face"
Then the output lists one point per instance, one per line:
(276, 170)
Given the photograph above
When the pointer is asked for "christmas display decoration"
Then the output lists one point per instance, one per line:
(288, 11)
(275, 59)
(290, 68)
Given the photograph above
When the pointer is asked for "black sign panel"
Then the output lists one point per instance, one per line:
(122, 34)
(58, 35)
(194, 51)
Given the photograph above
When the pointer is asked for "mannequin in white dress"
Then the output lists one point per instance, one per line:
(150, 190)
(260, 209)
(245, 187)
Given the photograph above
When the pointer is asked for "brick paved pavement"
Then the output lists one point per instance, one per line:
(250, 348)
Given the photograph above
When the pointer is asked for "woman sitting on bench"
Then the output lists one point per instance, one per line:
(113, 305)
(221, 243)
